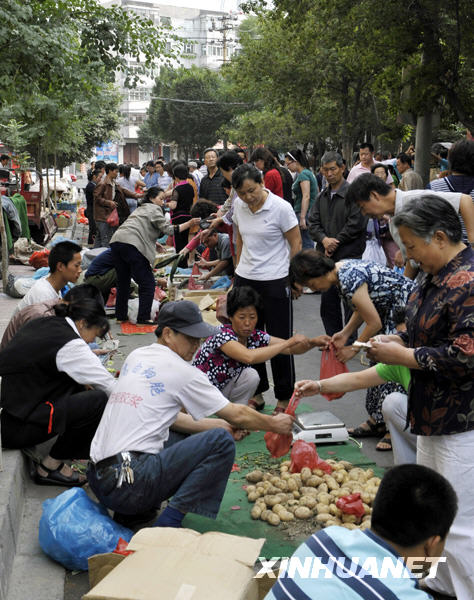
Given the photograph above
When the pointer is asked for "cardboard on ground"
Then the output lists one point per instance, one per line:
(180, 564)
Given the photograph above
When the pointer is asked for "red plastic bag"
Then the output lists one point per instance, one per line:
(351, 505)
(113, 218)
(39, 259)
(304, 454)
(279, 444)
(121, 548)
(331, 366)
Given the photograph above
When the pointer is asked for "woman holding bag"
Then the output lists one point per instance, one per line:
(373, 292)
(133, 248)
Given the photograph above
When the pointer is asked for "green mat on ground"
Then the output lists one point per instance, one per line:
(251, 454)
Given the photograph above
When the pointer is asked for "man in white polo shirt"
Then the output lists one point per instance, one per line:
(267, 236)
(137, 462)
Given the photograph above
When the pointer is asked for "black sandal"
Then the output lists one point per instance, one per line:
(374, 430)
(55, 477)
(385, 440)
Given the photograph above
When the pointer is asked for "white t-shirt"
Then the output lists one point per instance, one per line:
(41, 291)
(402, 198)
(265, 252)
(154, 385)
(129, 184)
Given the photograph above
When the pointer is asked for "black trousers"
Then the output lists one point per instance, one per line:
(331, 311)
(83, 412)
(277, 320)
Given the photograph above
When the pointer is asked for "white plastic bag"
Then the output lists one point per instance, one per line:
(133, 310)
(374, 252)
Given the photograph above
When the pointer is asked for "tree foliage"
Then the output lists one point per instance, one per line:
(194, 123)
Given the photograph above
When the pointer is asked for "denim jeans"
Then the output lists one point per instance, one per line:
(193, 470)
(306, 240)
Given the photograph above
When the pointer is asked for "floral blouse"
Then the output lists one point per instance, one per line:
(219, 367)
(387, 288)
(440, 326)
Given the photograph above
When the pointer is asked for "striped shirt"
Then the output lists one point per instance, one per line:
(336, 563)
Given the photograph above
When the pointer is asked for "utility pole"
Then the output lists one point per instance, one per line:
(223, 25)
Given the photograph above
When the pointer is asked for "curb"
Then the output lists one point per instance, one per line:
(12, 501)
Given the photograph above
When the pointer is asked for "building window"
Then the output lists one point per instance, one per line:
(213, 50)
(139, 94)
(203, 49)
(188, 48)
(165, 20)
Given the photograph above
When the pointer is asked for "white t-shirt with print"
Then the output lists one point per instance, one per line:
(41, 291)
(265, 252)
(402, 198)
(154, 385)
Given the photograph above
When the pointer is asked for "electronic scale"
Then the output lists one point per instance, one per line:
(320, 427)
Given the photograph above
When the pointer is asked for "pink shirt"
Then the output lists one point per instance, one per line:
(359, 170)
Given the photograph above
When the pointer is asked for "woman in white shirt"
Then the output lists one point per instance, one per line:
(129, 182)
(267, 236)
(47, 372)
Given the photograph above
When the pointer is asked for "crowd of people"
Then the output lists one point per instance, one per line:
(280, 230)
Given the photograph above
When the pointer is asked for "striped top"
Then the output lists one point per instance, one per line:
(337, 563)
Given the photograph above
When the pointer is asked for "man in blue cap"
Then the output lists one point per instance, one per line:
(143, 453)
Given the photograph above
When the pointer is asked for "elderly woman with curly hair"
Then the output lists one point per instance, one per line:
(438, 348)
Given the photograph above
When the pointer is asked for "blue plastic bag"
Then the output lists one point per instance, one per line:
(73, 527)
(222, 282)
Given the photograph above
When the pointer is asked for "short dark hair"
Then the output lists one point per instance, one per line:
(100, 164)
(379, 166)
(229, 160)
(427, 214)
(62, 252)
(404, 158)
(150, 194)
(309, 263)
(413, 503)
(299, 156)
(461, 157)
(125, 170)
(180, 171)
(244, 172)
(90, 310)
(150, 163)
(361, 188)
(366, 145)
(242, 297)
(203, 209)
(83, 290)
(269, 161)
(399, 314)
(111, 167)
(4, 157)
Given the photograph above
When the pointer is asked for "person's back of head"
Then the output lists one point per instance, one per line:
(180, 172)
(229, 160)
(111, 167)
(63, 252)
(461, 157)
(412, 505)
(203, 209)
(82, 291)
(89, 310)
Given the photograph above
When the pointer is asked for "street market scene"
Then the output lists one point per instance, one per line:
(237, 300)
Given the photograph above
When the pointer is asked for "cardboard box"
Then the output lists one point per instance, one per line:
(179, 564)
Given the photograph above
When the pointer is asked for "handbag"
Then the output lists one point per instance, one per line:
(113, 218)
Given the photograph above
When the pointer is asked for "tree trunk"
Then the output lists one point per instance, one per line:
(423, 146)
(3, 235)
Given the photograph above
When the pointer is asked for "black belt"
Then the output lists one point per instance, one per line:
(113, 460)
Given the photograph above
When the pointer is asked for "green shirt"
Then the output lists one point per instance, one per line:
(395, 373)
(305, 175)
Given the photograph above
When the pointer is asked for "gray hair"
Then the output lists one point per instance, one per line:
(424, 215)
(332, 156)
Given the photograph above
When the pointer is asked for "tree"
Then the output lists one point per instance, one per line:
(188, 107)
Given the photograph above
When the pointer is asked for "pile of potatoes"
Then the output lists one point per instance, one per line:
(311, 494)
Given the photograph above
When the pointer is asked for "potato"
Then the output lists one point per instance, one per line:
(254, 476)
(296, 494)
(303, 512)
(340, 476)
(251, 488)
(271, 500)
(367, 509)
(337, 512)
(323, 517)
(323, 487)
(349, 526)
(286, 463)
(308, 501)
(253, 496)
(286, 515)
(273, 519)
(282, 485)
(324, 497)
(348, 518)
(285, 476)
(364, 525)
(374, 481)
(313, 481)
(318, 472)
(356, 473)
(368, 474)
(277, 508)
(292, 484)
(305, 473)
(346, 464)
(331, 482)
(274, 480)
(265, 514)
(338, 467)
(322, 508)
(333, 521)
(341, 492)
(284, 469)
(308, 491)
(256, 512)
(267, 476)
(293, 502)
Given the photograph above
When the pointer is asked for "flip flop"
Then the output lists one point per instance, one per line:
(385, 440)
(374, 430)
(55, 477)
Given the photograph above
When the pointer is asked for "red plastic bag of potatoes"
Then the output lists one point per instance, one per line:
(304, 454)
(351, 505)
(279, 444)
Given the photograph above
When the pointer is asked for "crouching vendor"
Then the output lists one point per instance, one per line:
(45, 369)
(137, 463)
